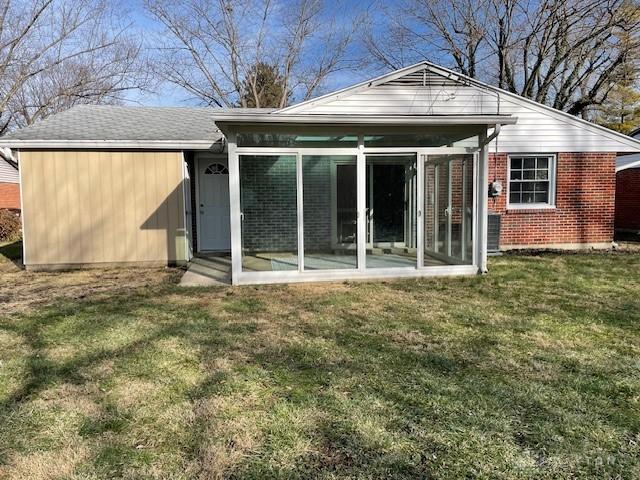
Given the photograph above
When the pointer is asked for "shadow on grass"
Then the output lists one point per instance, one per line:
(290, 384)
(11, 252)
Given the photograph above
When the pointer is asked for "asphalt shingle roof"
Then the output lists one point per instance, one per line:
(109, 122)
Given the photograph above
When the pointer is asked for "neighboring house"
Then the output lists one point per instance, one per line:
(387, 178)
(9, 182)
(627, 217)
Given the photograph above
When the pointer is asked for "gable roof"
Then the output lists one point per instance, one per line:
(423, 93)
(96, 126)
(407, 83)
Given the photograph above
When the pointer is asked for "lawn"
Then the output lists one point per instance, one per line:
(532, 371)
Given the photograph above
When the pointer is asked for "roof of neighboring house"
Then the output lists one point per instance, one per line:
(143, 127)
(635, 133)
(623, 162)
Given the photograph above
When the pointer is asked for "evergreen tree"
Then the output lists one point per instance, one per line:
(621, 111)
(263, 87)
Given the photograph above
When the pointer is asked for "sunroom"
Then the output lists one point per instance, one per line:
(334, 197)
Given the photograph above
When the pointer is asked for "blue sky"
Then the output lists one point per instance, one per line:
(169, 95)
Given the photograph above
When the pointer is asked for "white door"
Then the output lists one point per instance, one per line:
(213, 179)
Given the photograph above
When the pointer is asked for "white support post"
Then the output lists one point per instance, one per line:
(420, 159)
(449, 208)
(483, 203)
(463, 212)
(22, 210)
(187, 213)
(361, 176)
(300, 211)
(235, 209)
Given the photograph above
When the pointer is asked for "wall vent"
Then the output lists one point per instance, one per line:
(422, 78)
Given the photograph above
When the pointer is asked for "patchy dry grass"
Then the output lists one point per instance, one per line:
(530, 372)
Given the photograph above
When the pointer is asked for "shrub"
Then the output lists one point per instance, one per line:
(10, 226)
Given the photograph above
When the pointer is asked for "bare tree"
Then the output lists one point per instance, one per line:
(565, 53)
(211, 48)
(57, 53)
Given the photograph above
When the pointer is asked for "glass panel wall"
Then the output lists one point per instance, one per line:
(312, 197)
(467, 202)
(293, 140)
(330, 212)
(268, 202)
(448, 197)
(391, 211)
(428, 137)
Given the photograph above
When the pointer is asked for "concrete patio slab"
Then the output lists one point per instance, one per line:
(207, 272)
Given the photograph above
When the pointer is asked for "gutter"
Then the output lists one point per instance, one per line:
(113, 144)
(494, 135)
(276, 118)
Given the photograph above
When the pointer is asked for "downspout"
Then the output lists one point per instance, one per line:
(485, 192)
(490, 138)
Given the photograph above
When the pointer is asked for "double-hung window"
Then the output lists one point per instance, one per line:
(532, 181)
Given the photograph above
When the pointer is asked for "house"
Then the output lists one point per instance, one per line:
(391, 177)
(9, 181)
(627, 216)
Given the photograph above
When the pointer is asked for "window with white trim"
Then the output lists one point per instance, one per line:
(531, 181)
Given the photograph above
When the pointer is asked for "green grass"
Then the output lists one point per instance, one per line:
(530, 372)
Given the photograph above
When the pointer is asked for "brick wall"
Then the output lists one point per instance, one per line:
(316, 188)
(585, 192)
(269, 203)
(628, 199)
(10, 195)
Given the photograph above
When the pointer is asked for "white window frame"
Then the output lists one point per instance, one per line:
(551, 204)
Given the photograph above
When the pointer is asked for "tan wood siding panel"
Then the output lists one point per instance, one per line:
(84, 207)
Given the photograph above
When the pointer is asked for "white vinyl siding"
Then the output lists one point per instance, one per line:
(8, 174)
(411, 100)
(539, 129)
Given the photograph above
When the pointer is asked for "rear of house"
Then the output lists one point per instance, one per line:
(414, 173)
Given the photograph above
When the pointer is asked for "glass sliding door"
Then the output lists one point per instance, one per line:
(329, 187)
(391, 211)
(448, 208)
(268, 203)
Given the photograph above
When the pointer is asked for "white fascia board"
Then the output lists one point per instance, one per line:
(112, 144)
(244, 118)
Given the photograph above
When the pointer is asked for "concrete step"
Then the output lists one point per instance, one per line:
(204, 272)
(216, 263)
(217, 273)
